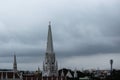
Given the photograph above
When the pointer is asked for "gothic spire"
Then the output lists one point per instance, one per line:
(50, 67)
(49, 40)
(15, 64)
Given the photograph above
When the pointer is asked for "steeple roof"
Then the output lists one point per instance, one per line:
(75, 73)
(62, 74)
(69, 74)
(49, 40)
(15, 63)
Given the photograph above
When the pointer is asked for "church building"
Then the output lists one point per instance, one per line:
(50, 66)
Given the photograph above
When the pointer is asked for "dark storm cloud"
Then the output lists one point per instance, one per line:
(91, 47)
(80, 28)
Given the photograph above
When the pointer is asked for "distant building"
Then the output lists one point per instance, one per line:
(11, 74)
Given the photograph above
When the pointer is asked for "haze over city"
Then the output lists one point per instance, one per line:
(86, 33)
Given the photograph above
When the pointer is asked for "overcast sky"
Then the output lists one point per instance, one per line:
(86, 33)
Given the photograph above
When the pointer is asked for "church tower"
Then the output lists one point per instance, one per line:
(50, 67)
(15, 64)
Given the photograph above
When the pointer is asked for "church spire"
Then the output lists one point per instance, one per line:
(15, 63)
(49, 40)
(50, 67)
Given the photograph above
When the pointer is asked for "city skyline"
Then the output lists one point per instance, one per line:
(85, 33)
